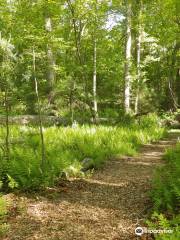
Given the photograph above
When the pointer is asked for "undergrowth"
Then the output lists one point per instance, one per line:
(67, 147)
(3, 212)
(166, 196)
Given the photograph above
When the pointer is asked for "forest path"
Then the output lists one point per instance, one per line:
(107, 206)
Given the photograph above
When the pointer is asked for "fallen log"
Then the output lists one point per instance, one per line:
(33, 120)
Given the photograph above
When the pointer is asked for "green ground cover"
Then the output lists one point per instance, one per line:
(67, 147)
(166, 196)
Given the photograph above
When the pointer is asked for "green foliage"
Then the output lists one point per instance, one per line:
(166, 196)
(22, 25)
(149, 121)
(67, 147)
(3, 211)
(166, 193)
(160, 221)
(4, 227)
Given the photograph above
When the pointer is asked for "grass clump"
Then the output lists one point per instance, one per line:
(67, 147)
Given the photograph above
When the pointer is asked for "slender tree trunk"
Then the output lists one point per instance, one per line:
(178, 86)
(43, 160)
(78, 30)
(172, 78)
(5, 180)
(139, 39)
(51, 61)
(71, 101)
(95, 106)
(7, 123)
(77, 34)
(95, 81)
(6, 104)
(128, 60)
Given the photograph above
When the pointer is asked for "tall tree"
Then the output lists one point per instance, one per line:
(127, 77)
(6, 56)
(39, 113)
(51, 58)
(95, 107)
(139, 41)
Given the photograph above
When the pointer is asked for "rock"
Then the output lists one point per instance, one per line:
(171, 123)
(178, 118)
(174, 124)
(64, 175)
(75, 124)
(87, 164)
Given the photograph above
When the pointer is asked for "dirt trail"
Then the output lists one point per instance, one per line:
(108, 206)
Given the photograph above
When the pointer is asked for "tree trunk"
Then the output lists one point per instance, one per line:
(95, 81)
(128, 60)
(51, 61)
(39, 114)
(139, 39)
(95, 107)
(178, 86)
(7, 123)
(78, 30)
(172, 78)
(4, 176)
(71, 100)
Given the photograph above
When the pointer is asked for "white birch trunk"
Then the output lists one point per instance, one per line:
(95, 106)
(39, 114)
(139, 40)
(128, 61)
(50, 56)
(95, 80)
(138, 70)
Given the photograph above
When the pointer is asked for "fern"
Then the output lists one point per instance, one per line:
(166, 195)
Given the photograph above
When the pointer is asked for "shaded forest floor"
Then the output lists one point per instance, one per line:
(109, 205)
